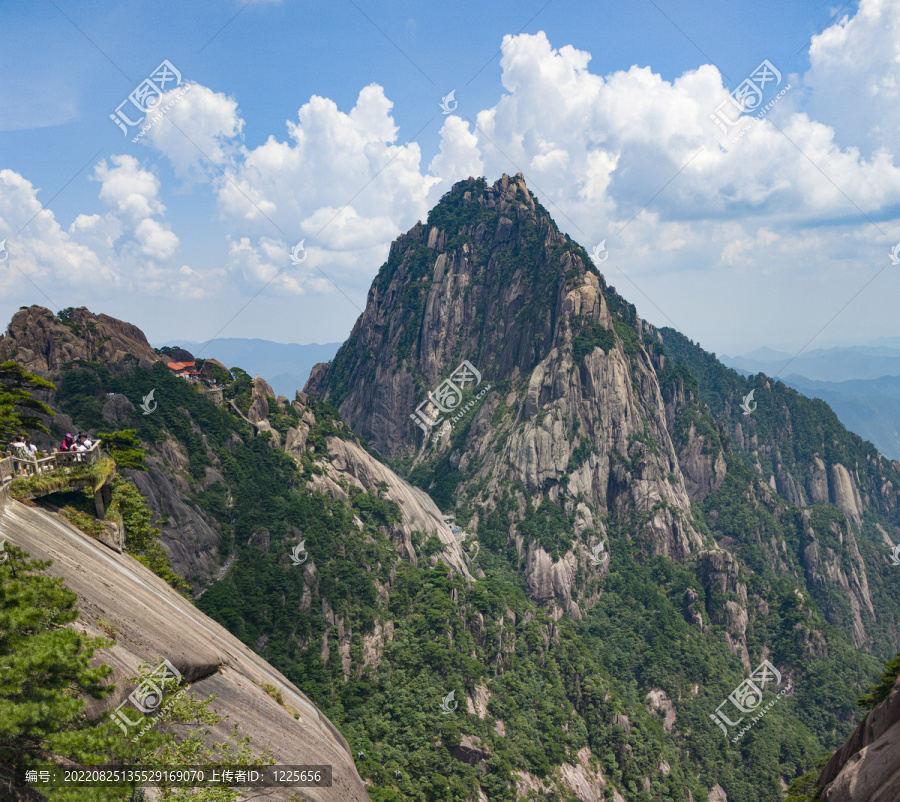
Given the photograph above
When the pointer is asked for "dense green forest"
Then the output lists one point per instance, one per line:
(556, 686)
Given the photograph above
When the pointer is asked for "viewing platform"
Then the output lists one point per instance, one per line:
(13, 465)
(26, 478)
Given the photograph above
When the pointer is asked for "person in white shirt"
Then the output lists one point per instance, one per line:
(17, 447)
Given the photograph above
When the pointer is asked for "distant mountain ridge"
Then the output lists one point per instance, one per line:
(822, 364)
(860, 383)
(285, 366)
(869, 407)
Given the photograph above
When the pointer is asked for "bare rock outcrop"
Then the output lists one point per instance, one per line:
(41, 342)
(818, 481)
(349, 462)
(190, 540)
(582, 779)
(259, 406)
(717, 794)
(867, 767)
(721, 572)
(150, 621)
(843, 568)
(703, 471)
(846, 494)
(551, 580)
(659, 702)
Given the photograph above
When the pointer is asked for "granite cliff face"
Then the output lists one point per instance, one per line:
(601, 466)
(865, 768)
(150, 621)
(574, 414)
(812, 475)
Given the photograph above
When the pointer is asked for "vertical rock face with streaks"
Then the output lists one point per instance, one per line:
(574, 415)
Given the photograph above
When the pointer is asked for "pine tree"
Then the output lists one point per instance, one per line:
(16, 387)
(45, 669)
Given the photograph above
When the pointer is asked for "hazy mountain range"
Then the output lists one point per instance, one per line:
(870, 361)
(285, 366)
(860, 383)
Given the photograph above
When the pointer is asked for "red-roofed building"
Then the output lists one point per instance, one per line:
(184, 369)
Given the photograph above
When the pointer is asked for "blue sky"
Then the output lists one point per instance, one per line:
(750, 243)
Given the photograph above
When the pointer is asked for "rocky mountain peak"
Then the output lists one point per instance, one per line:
(486, 280)
(44, 342)
(494, 355)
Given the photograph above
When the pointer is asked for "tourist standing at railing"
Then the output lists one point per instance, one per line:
(67, 443)
(17, 447)
(30, 448)
(80, 448)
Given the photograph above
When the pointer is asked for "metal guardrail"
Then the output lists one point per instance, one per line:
(17, 465)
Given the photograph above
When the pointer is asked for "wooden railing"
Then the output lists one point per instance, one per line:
(18, 465)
